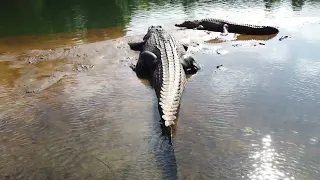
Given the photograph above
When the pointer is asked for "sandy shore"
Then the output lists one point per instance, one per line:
(32, 71)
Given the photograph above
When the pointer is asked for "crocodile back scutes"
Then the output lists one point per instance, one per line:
(170, 74)
(216, 20)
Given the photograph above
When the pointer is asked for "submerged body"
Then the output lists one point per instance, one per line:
(219, 25)
(164, 61)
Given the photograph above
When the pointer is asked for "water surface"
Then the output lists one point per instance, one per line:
(256, 118)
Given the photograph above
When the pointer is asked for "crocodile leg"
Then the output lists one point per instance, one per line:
(136, 46)
(189, 65)
(225, 31)
(200, 27)
(145, 65)
(185, 46)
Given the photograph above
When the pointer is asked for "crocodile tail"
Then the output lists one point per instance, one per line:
(252, 29)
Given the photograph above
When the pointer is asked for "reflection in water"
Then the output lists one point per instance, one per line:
(297, 4)
(79, 19)
(163, 148)
(242, 37)
(8, 75)
(27, 43)
(271, 4)
(266, 162)
(49, 16)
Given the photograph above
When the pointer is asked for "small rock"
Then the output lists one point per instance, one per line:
(221, 51)
(314, 140)
(283, 37)
(254, 44)
(249, 130)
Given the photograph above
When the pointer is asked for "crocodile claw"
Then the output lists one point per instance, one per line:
(133, 67)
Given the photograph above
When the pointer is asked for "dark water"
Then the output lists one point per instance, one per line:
(257, 118)
(19, 17)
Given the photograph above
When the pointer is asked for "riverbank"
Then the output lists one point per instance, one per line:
(33, 67)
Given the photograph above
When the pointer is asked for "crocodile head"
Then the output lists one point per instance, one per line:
(189, 24)
(152, 30)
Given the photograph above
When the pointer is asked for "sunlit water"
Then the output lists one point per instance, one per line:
(256, 118)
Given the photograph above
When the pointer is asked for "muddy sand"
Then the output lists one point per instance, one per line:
(32, 71)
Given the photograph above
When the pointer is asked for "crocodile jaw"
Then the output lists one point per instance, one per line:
(189, 24)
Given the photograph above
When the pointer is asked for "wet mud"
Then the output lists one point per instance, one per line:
(35, 70)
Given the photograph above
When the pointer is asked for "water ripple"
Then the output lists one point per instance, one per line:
(101, 123)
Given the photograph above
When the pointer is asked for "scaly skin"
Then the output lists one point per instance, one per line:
(220, 25)
(164, 61)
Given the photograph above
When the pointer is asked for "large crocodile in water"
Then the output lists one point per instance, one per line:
(164, 61)
(224, 26)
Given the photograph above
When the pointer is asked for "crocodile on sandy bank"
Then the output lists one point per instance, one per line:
(164, 61)
(224, 26)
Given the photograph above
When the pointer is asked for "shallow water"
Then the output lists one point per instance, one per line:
(255, 118)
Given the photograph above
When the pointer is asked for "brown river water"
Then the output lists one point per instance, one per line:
(71, 108)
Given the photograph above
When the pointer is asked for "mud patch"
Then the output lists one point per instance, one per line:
(40, 85)
(8, 74)
(248, 44)
(82, 67)
(39, 69)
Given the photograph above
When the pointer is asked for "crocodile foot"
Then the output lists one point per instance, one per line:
(133, 67)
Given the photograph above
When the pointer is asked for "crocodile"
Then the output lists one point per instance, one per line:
(224, 26)
(164, 61)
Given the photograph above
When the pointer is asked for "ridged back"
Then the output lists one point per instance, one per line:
(234, 23)
(216, 25)
(169, 77)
